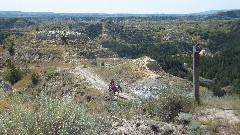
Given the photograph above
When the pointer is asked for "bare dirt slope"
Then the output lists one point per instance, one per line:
(80, 72)
(90, 77)
(94, 80)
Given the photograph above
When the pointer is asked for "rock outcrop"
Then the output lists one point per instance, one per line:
(147, 63)
(4, 86)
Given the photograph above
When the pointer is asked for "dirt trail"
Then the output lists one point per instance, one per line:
(91, 78)
(95, 81)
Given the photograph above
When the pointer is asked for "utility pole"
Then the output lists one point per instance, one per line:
(196, 63)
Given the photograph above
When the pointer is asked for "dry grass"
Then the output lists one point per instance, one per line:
(208, 100)
(49, 65)
(1, 49)
(121, 72)
(37, 69)
(86, 63)
(227, 102)
(224, 102)
(56, 50)
(7, 99)
(57, 64)
(91, 98)
(4, 105)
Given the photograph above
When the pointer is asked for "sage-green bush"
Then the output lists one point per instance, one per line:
(50, 116)
(170, 102)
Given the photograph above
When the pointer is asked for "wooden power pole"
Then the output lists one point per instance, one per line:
(196, 63)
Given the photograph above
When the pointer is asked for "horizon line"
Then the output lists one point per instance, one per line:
(115, 13)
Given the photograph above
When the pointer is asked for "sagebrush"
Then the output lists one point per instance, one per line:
(49, 116)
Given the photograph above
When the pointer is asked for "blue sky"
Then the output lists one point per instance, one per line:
(118, 6)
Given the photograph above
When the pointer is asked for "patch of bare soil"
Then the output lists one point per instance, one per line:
(219, 115)
(139, 126)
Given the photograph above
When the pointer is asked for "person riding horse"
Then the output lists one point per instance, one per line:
(114, 87)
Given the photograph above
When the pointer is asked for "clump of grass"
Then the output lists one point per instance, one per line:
(50, 70)
(213, 126)
(4, 105)
(53, 50)
(2, 49)
(94, 63)
(121, 72)
(50, 116)
(185, 118)
(194, 129)
(85, 63)
(227, 101)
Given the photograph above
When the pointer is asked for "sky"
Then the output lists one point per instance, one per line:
(119, 6)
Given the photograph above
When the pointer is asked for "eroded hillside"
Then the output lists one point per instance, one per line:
(55, 76)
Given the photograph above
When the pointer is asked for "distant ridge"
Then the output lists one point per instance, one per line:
(229, 14)
(36, 14)
(209, 12)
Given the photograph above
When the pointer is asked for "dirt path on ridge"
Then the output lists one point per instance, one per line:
(95, 81)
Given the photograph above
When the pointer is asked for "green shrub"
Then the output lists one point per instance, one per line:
(170, 103)
(185, 118)
(11, 50)
(34, 78)
(236, 87)
(103, 63)
(194, 129)
(50, 116)
(13, 74)
(93, 30)
(149, 106)
(64, 40)
(217, 91)
(94, 63)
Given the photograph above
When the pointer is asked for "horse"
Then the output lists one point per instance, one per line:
(113, 90)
